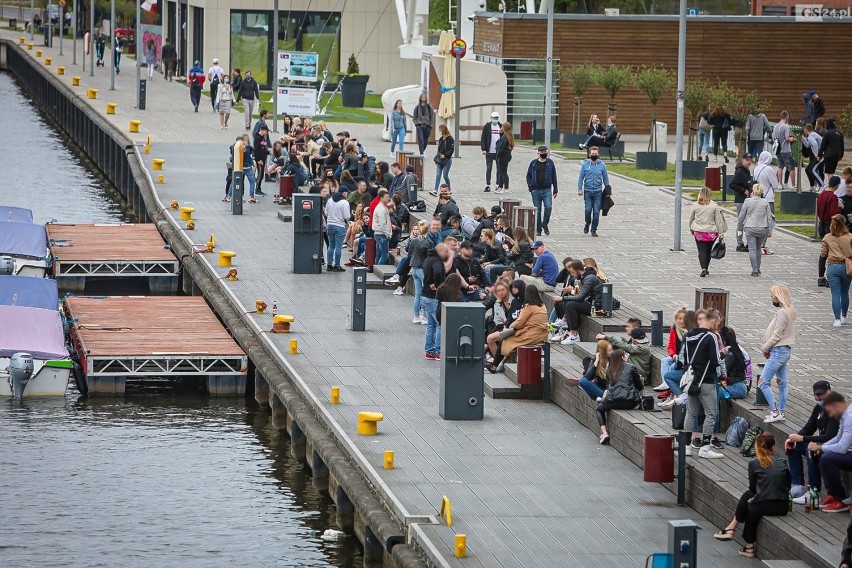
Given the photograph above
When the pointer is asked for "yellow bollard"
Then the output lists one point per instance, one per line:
(60, 70)
(446, 510)
(294, 347)
(260, 306)
(186, 215)
(21, 40)
(111, 108)
(190, 225)
(174, 204)
(38, 53)
(225, 258)
(281, 323)
(335, 395)
(157, 163)
(161, 178)
(29, 46)
(75, 81)
(367, 423)
(460, 548)
(91, 93)
(48, 60)
(211, 244)
(134, 126)
(388, 459)
(146, 149)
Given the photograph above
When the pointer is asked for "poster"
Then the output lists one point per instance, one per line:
(152, 33)
(297, 101)
(297, 66)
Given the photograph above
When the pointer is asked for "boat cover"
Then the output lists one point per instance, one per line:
(15, 214)
(31, 330)
(28, 292)
(23, 239)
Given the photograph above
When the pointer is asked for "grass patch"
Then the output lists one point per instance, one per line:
(804, 230)
(372, 113)
(654, 177)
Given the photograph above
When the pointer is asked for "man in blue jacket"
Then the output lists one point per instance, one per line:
(543, 186)
(592, 181)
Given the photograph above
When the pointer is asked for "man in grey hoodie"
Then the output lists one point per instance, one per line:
(757, 127)
(765, 176)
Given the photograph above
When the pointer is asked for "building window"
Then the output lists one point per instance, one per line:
(525, 92)
(317, 32)
(251, 36)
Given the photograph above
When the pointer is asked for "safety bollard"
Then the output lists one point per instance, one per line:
(606, 299)
(359, 299)
(460, 548)
(294, 347)
(335, 395)
(75, 81)
(657, 328)
(111, 108)
(388, 459)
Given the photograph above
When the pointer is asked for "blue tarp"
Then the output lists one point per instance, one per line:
(29, 292)
(32, 330)
(15, 214)
(23, 239)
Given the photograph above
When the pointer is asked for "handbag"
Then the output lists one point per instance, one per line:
(703, 125)
(719, 249)
(647, 403)
(678, 416)
(438, 160)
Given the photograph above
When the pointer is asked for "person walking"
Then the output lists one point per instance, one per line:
(337, 215)
(591, 184)
(831, 148)
(758, 222)
(424, 116)
(765, 176)
(741, 186)
(237, 80)
(195, 78)
(623, 392)
(444, 157)
(397, 127)
(215, 74)
(249, 93)
(827, 206)
(169, 55)
(505, 145)
(720, 120)
(543, 187)
(116, 53)
(810, 149)
(778, 340)
(224, 102)
(769, 485)
(150, 58)
(836, 249)
(757, 127)
(707, 224)
(488, 145)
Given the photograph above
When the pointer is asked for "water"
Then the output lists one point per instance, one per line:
(161, 477)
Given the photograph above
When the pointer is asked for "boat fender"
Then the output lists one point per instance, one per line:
(80, 379)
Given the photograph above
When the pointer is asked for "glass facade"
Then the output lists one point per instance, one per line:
(251, 35)
(525, 90)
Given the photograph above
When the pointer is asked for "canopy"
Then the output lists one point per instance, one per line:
(32, 330)
(15, 214)
(29, 292)
(23, 239)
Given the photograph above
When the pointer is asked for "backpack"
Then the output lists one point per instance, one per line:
(735, 434)
(747, 447)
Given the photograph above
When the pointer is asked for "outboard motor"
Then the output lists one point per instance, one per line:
(20, 372)
(7, 265)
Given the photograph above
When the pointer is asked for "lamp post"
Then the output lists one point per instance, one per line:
(61, 25)
(681, 85)
(456, 127)
(112, 44)
(74, 34)
(137, 37)
(548, 79)
(275, 67)
(91, 38)
(32, 15)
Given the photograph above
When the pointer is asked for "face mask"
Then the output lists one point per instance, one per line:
(593, 158)
(543, 156)
(494, 121)
(776, 303)
(819, 402)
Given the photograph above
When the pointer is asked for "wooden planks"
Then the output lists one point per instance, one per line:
(120, 242)
(118, 326)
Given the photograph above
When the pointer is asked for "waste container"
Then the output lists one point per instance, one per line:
(713, 177)
(662, 135)
(529, 365)
(285, 188)
(526, 129)
(659, 459)
(716, 298)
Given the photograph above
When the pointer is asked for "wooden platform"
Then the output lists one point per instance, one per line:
(156, 336)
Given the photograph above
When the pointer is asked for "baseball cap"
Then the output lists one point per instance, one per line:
(542, 148)
(821, 387)
(495, 114)
(216, 61)
(537, 244)
(834, 181)
(638, 333)
(496, 210)
(466, 244)
(748, 157)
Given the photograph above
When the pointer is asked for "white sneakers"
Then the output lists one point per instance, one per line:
(843, 320)
(556, 336)
(570, 339)
(837, 323)
(668, 404)
(392, 280)
(604, 439)
(399, 291)
(707, 452)
(661, 387)
(774, 417)
(419, 320)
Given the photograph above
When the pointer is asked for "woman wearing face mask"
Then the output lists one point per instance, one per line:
(224, 102)
(778, 340)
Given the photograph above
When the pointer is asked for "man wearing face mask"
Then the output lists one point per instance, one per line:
(591, 183)
(543, 187)
(488, 145)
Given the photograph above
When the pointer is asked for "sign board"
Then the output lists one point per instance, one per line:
(297, 101)
(612, 11)
(459, 47)
(692, 11)
(298, 66)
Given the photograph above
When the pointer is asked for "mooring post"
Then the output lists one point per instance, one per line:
(279, 412)
(261, 390)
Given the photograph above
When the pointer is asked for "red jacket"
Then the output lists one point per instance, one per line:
(373, 204)
(827, 205)
(674, 344)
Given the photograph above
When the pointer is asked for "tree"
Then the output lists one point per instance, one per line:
(696, 99)
(580, 78)
(613, 79)
(654, 83)
(844, 119)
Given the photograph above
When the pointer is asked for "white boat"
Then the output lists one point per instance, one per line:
(37, 332)
(26, 244)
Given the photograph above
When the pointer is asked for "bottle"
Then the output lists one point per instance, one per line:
(789, 501)
(274, 309)
(809, 502)
(815, 498)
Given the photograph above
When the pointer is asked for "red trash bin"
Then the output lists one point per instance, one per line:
(529, 365)
(286, 184)
(659, 459)
(713, 177)
(526, 129)
(370, 253)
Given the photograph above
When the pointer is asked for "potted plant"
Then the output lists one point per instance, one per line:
(696, 98)
(613, 79)
(654, 83)
(580, 78)
(354, 85)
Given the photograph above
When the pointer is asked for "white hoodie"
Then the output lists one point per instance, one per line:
(764, 174)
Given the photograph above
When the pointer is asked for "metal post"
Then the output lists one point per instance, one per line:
(275, 33)
(74, 33)
(112, 45)
(681, 85)
(683, 439)
(61, 27)
(548, 79)
(606, 299)
(48, 37)
(657, 328)
(458, 82)
(91, 38)
(32, 14)
(545, 384)
(138, 37)
(358, 317)
(724, 175)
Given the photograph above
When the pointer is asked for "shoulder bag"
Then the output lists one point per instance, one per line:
(719, 249)
(687, 381)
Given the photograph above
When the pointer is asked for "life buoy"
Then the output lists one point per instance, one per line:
(80, 379)
(87, 39)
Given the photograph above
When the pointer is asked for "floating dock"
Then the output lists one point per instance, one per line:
(116, 252)
(120, 338)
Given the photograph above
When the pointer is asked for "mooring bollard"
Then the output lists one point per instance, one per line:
(75, 81)
(111, 107)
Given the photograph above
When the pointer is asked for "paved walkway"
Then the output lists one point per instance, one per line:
(528, 481)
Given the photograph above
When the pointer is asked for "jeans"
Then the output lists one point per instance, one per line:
(489, 162)
(797, 471)
(830, 465)
(755, 147)
(666, 365)
(704, 249)
(590, 388)
(397, 138)
(248, 175)
(592, 201)
(361, 247)
(490, 274)
(672, 378)
(703, 142)
(423, 133)
(751, 513)
(195, 95)
(542, 198)
(382, 243)
(443, 170)
(776, 366)
(838, 282)
(707, 400)
(433, 328)
(336, 233)
(417, 276)
(755, 246)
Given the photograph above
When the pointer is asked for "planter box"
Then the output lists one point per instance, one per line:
(798, 203)
(651, 160)
(353, 90)
(694, 169)
(572, 140)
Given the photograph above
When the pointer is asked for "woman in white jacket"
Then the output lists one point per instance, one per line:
(758, 221)
(707, 224)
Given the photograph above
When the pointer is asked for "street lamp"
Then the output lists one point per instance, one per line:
(681, 85)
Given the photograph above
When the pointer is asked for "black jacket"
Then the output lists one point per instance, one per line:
(433, 273)
(169, 52)
(720, 123)
(524, 255)
(820, 427)
(740, 183)
(504, 154)
(701, 352)
(248, 89)
(627, 387)
(485, 140)
(448, 211)
(446, 146)
(468, 268)
(591, 288)
(819, 108)
(772, 484)
(484, 223)
(832, 144)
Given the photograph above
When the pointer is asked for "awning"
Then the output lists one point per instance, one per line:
(15, 214)
(29, 292)
(31, 330)
(23, 239)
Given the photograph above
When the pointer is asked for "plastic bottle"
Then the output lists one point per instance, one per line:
(274, 309)
(789, 501)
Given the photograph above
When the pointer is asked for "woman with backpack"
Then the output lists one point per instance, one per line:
(778, 340)
(707, 224)
(624, 390)
(767, 495)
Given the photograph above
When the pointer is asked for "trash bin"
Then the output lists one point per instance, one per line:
(526, 129)
(659, 459)
(713, 298)
(285, 188)
(713, 177)
(529, 365)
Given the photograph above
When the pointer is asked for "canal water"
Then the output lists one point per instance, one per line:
(160, 477)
